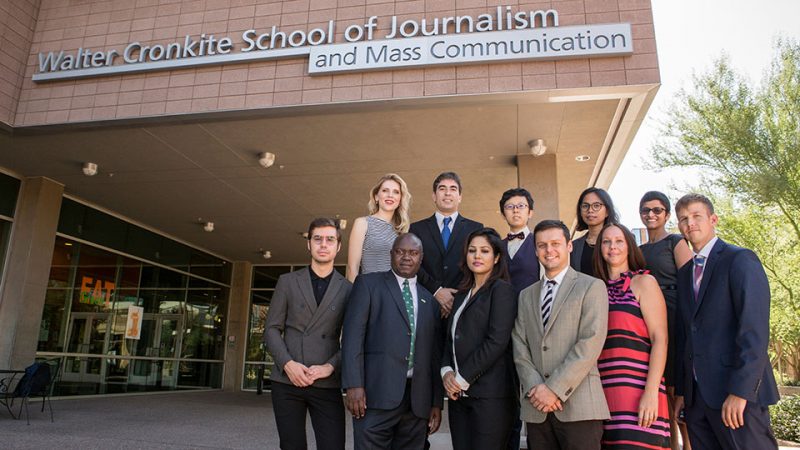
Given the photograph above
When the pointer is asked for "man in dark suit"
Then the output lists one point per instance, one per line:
(443, 235)
(516, 205)
(724, 381)
(304, 323)
(391, 355)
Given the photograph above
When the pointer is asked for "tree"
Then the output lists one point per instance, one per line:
(747, 141)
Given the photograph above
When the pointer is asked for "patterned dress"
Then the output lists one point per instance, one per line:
(378, 241)
(623, 366)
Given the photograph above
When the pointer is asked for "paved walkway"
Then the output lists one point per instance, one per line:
(185, 420)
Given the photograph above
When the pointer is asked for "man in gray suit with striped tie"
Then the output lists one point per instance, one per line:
(560, 330)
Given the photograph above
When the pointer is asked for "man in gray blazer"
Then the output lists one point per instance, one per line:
(304, 324)
(559, 333)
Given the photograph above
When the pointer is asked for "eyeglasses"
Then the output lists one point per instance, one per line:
(329, 239)
(657, 210)
(521, 207)
(596, 206)
(403, 253)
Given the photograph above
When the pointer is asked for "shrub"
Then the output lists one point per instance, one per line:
(785, 417)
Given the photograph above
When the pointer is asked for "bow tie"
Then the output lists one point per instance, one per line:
(520, 236)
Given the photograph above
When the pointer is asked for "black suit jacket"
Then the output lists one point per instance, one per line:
(441, 267)
(722, 336)
(376, 339)
(483, 341)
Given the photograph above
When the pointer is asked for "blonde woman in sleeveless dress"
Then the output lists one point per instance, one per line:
(372, 236)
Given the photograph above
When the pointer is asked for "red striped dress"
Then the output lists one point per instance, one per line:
(623, 366)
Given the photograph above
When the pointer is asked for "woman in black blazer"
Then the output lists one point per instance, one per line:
(478, 366)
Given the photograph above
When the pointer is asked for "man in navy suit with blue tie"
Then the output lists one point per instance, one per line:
(724, 381)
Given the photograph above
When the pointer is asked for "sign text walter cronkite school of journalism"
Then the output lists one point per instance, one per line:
(502, 35)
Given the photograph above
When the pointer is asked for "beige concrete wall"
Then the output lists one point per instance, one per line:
(17, 23)
(104, 25)
(29, 260)
(238, 316)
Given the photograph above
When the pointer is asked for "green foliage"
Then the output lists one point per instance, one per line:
(746, 140)
(785, 418)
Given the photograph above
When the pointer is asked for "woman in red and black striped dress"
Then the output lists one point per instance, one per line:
(635, 353)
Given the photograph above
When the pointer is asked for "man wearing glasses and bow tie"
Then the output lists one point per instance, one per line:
(516, 205)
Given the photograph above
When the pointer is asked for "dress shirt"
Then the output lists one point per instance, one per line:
(515, 244)
(319, 284)
(704, 252)
(440, 220)
(412, 285)
(459, 379)
(558, 279)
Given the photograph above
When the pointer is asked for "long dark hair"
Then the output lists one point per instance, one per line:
(500, 269)
(612, 217)
(635, 257)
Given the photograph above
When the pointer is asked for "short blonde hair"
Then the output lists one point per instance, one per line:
(400, 219)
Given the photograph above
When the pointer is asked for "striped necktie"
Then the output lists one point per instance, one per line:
(547, 302)
(699, 263)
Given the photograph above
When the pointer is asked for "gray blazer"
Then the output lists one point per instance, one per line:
(297, 329)
(563, 355)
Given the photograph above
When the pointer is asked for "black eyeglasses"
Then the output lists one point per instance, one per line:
(657, 210)
(596, 206)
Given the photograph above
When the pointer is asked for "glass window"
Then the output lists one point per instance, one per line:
(5, 236)
(9, 191)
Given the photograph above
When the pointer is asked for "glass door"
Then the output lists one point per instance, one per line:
(161, 339)
(86, 335)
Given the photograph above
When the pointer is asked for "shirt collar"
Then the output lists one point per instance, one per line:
(315, 277)
(440, 218)
(412, 282)
(706, 250)
(525, 232)
(558, 278)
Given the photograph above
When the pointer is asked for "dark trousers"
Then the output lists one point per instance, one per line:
(553, 434)
(480, 423)
(393, 429)
(707, 432)
(326, 408)
(516, 428)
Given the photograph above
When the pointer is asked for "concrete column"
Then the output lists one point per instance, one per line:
(29, 260)
(539, 175)
(238, 317)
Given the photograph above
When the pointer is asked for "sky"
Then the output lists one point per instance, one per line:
(690, 35)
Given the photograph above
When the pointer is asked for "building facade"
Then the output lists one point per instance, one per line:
(137, 206)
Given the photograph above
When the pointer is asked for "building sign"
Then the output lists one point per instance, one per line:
(133, 329)
(96, 291)
(503, 35)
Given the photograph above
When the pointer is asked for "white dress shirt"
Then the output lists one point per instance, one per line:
(514, 245)
(558, 279)
(704, 252)
(459, 379)
(440, 220)
(412, 286)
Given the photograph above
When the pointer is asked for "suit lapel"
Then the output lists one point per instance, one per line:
(397, 296)
(303, 279)
(458, 230)
(536, 292)
(563, 292)
(333, 288)
(708, 272)
(433, 228)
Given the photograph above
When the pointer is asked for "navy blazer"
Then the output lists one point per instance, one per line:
(483, 341)
(441, 267)
(722, 336)
(524, 266)
(376, 339)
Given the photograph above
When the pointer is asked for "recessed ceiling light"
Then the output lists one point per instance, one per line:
(89, 169)
(266, 159)
(582, 158)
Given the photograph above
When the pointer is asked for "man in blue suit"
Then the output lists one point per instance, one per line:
(391, 355)
(724, 381)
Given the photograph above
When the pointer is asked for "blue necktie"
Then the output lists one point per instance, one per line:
(446, 231)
